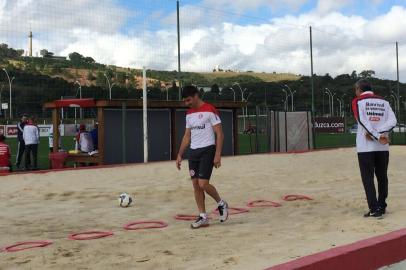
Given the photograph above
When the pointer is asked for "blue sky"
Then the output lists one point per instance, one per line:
(263, 11)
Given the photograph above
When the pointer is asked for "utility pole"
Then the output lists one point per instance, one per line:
(10, 81)
(292, 93)
(286, 99)
(397, 72)
(80, 97)
(110, 86)
(178, 26)
(311, 68)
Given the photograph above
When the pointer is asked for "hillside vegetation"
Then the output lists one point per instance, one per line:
(42, 79)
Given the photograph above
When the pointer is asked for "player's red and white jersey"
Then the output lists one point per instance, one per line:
(200, 122)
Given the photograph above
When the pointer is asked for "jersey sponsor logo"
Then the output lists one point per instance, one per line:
(198, 127)
(192, 173)
(375, 113)
(200, 116)
(374, 119)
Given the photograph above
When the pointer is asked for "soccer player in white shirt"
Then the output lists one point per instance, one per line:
(205, 137)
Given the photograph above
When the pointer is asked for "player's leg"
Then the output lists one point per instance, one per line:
(205, 185)
(203, 219)
(35, 155)
(27, 154)
(205, 171)
(199, 196)
(381, 172)
(20, 153)
(367, 166)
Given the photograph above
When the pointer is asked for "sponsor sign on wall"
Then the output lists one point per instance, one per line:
(329, 124)
(11, 131)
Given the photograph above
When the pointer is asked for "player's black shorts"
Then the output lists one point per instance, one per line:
(201, 162)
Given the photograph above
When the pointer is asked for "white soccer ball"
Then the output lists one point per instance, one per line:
(125, 200)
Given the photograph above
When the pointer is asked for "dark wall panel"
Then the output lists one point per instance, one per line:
(113, 137)
(159, 133)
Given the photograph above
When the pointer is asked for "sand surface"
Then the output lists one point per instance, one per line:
(53, 205)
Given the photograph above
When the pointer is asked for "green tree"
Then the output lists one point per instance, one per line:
(354, 75)
(76, 58)
(367, 74)
(89, 60)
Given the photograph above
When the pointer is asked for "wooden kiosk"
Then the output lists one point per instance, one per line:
(120, 128)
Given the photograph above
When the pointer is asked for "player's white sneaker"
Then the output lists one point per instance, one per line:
(200, 222)
(223, 210)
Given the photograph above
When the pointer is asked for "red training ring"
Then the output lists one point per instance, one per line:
(90, 235)
(263, 203)
(185, 217)
(153, 225)
(29, 245)
(290, 198)
(233, 211)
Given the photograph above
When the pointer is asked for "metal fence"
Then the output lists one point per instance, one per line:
(255, 128)
(96, 49)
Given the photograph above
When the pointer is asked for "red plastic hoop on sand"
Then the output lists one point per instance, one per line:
(263, 203)
(185, 217)
(292, 197)
(153, 225)
(91, 235)
(233, 211)
(20, 246)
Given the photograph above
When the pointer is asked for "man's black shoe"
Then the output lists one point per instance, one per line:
(370, 213)
(377, 214)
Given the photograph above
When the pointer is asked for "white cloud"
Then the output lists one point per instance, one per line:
(243, 5)
(342, 43)
(52, 21)
(325, 6)
(391, 25)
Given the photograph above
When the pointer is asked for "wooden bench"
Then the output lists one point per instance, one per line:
(84, 158)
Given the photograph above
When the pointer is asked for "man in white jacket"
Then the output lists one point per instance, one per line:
(375, 121)
(31, 139)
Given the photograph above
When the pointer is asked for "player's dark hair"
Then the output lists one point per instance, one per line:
(189, 91)
(2, 138)
(364, 85)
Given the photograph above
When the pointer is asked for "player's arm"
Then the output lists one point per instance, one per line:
(390, 122)
(184, 145)
(387, 127)
(218, 130)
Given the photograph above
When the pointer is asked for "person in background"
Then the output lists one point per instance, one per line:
(376, 120)
(20, 140)
(31, 139)
(51, 138)
(84, 140)
(5, 155)
(95, 136)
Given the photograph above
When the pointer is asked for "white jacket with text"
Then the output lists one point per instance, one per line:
(31, 134)
(375, 117)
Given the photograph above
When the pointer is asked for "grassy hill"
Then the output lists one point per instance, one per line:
(265, 77)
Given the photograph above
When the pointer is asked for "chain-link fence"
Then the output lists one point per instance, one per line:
(255, 130)
(96, 49)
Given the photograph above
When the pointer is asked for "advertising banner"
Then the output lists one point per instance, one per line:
(329, 124)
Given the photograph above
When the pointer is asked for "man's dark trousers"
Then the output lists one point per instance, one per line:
(31, 149)
(371, 163)
(20, 152)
